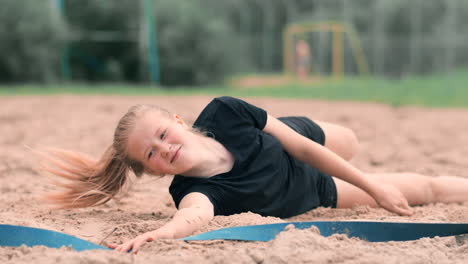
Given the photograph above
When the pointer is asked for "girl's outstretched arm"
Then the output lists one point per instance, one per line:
(195, 210)
(328, 162)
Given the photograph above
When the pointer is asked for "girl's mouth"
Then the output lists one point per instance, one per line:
(176, 155)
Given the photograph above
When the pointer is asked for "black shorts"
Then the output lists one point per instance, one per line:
(325, 184)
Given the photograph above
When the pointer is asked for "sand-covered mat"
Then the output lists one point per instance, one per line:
(429, 141)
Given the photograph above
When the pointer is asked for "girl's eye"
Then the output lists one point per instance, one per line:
(150, 154)
(163, 135)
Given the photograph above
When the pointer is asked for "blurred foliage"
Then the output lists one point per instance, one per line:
(203, 41)
(196, 45)
(103, 47)
(29, 41)
(415, 37)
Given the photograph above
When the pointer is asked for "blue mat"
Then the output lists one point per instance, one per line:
(370, 231)
(14, 236)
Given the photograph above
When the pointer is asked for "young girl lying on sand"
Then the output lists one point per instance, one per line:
(238, 158)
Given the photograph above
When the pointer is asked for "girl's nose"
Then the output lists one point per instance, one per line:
(164, 149)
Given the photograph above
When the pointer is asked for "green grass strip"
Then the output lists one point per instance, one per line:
(442, 90)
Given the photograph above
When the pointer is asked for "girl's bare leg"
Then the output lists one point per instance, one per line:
(418, 189)
(340, 140)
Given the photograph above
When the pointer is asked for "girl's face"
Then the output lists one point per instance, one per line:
(162, 144)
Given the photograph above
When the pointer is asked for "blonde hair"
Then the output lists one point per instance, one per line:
(89, 182)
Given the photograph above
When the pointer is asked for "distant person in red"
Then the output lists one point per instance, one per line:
(303, 57)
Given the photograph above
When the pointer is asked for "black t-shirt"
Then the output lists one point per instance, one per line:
(265, 179)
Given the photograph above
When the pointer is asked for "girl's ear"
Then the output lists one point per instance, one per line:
(179, 120)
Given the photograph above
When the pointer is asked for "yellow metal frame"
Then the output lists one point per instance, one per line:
(338, 29)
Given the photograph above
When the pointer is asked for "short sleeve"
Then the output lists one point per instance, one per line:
(238, 112)
(256, 115)
(182, 186)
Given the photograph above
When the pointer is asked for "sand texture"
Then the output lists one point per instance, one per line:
(422, 140)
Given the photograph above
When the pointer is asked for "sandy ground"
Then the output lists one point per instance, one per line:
(429, 141)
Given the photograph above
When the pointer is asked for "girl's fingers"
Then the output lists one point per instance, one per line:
(128, 246)
(137, 246)
(124, 247)
(407, 208)
(119, 248)
(403, 210)
(407, 212)
(133, 245)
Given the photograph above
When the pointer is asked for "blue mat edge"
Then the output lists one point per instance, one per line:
(372, 231)
(24, 235)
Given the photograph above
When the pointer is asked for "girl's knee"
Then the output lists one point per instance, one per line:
(347, 143)
(352, 142)
(341, 140)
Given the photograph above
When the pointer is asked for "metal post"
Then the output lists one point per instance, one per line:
(452, 36)
(291, 15)
(415, 39)
(152, 41)
(267, 35)
(324, 41)
(65, 60)
(347, 20)
(337, 64)
(378, 34)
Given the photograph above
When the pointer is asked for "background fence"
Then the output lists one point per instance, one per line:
(203, 41)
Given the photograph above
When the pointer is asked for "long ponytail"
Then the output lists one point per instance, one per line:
(89, 182)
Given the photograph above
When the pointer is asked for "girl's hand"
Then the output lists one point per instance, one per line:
(135, 244)
(390, 198)
(195, 210)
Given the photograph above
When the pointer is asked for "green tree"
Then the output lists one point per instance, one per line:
(196, 45)
(29, 41)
